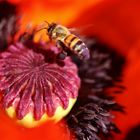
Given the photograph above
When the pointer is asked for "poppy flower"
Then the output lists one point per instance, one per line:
(116, 24)
(24, 97)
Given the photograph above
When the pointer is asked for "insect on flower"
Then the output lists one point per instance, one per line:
(66, 41)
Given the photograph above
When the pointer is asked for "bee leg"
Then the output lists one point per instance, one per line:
(59, 46)
(62, 55)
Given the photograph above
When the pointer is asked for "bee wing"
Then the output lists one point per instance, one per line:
(79, 33)
(75, 31)
(81, 29)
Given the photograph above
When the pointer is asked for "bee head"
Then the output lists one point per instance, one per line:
(51, 28)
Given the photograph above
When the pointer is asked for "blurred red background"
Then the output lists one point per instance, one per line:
(115, 22)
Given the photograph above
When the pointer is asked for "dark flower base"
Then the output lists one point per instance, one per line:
(91, 118)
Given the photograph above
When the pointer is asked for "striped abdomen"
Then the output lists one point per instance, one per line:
(77, 46)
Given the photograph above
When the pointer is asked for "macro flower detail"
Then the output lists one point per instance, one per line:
(31, 84)
(91, 119)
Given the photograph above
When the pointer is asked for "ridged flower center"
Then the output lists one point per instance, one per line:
(31, 84)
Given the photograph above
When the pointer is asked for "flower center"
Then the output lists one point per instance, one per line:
(31, 84)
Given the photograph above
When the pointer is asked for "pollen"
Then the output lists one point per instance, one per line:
(33, 87)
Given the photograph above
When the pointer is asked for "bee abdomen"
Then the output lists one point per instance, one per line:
(77, 46)
(81, 50)
(70, 41)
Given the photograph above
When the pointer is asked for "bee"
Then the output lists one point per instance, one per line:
(66, 41)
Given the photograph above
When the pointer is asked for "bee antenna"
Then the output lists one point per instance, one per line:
(47, 22)
(41, 29)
